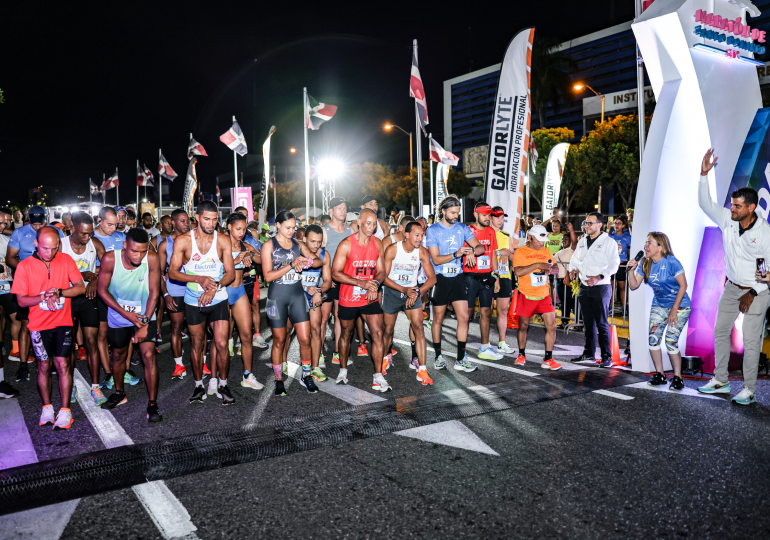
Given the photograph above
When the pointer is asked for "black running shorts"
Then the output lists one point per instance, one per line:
(394, 301)
(506, 288)
(119, 338)
(477, 289)
(333, 293)
(351, 313)
(86, 311)
(50, 344)
(621, 274)
(8, 303)
(196, 315)
(103, 310)
(286, 302)
(449, 290)
(22, 313)
(179, 301)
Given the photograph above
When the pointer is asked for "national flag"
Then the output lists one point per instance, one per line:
(149, 177)
(195, 149)
(533, 152)
(235, 140)
(94, 188)
(140, 179)
(417, 91)
(440, 155)
(318, 113)
(165, 170)
(111, 182)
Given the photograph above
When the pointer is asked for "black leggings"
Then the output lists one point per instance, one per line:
(286, 302)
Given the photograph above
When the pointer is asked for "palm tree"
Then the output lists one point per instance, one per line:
(550, 75)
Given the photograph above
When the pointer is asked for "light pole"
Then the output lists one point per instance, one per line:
(388, 127)
(297, 151)
(579, 87)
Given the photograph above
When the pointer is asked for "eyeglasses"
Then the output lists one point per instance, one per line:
(590, 223)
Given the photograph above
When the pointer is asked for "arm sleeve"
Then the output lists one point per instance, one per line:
(718, 215)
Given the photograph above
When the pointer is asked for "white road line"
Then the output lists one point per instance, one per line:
(684, 392)
(613, 394)
(347, 393)
(165, 510)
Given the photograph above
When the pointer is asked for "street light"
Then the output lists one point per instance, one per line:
(578, 87)
(296, 151)
(388, 127)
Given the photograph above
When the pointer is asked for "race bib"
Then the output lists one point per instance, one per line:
(5, 287)
(483, 262)
(290, 277)
(450, 270)
(538, 280)
(131, 307)
(310, 280)
(358, 291)
(502, 268)
(59, 305)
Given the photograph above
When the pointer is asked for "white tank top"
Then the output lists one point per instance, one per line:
(204, 265)
(379, 233)
(404, 268)
(6, 276)
(86, 261)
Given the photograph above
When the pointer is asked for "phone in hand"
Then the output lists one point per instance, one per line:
(761, 266)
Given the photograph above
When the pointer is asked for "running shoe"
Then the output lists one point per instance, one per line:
(74, 395)
(107, 383)
(238, 350)
(184, 336)
(135, 358)
(380, 384)
(114, 400)
(199, 394)
(520, 360)
(393, 352)
(280, 389)
(657, 380)
(23, 373)
(130, 378)
(439, 363)
(7, 391)
(414, 364)
(309, 384)
(212, 387)
(424, 378)
(250, 381)
(386, 363)
(286, 368)
(582, 358)
(223, 393)
(336, 358)
(98, 397)
(430, 325)
(259, 341)
(158, 339)
(206, 370)
(362, 350)
(550, 364)
(179, 372)
(342, 377)
(318, 374)
(605, 362)
(47, 416)
(676, 384)
(82, 355)
(425, 315)
(715, 387)
(503, 348)
(14, 355)
(465, 365)
(64, 420)
(745, 397)
(322, 362)
(488, 353)
(230, 346)
(153, 415)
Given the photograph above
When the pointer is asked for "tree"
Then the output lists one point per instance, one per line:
(2, 99)
(545, 139)
(550, 80)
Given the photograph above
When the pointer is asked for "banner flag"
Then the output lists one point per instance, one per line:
(554, 169)
(509, 135)
(266, 157)
(190, 185)
(442, 176)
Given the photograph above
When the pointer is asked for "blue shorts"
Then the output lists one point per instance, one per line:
(234, 293)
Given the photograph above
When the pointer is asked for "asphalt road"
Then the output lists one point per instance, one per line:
(557, 459)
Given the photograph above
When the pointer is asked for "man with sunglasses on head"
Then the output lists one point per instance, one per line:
(595, 260)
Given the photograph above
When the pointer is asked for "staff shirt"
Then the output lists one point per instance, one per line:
(600, 259)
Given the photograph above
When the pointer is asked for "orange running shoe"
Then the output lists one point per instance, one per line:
(206, 370)
(520, 360)
(393, 352)
(82, 353)
(179, 372)
(550, 364)
(387, 361)
(424, 378)
(362, 350)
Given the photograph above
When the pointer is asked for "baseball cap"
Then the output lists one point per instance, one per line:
(539, 232)
(498, 211)
(265, 226)
(368, 199)
(482, 208)
(36, 214)
(120, 208)
(336, 201)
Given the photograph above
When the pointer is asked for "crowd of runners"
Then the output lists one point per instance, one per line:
(100, 292)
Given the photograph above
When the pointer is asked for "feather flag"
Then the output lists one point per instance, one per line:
(165, 170)
(195, 149)
(235, 140)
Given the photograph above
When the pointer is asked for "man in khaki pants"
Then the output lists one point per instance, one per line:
(746, 238)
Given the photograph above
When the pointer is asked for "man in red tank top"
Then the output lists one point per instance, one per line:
(359, 268)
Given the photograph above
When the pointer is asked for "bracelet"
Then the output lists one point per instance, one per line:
(165, 295)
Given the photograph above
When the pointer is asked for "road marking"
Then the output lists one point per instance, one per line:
(613, 394)
(169, 515)
(450, 433)
(683, 392)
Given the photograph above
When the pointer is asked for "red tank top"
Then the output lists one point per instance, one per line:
(360, 264)
(488, 239)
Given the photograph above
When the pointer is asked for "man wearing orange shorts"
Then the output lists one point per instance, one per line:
(532, 264)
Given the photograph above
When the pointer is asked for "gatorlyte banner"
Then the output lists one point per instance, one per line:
(509, 136)
(442, 175)
(554, 170)
(266, 158)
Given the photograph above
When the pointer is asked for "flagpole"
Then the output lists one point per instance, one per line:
(307, 159)
(275, 199)
(419, 145)
(529, 168)
(430, 166)
(160, 189)
(117, 188)
(104, 191)
(235, 175)
(137, 190)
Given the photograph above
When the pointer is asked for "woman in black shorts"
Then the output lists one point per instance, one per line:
(283, 259)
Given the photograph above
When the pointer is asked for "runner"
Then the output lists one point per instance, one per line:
(399, 234)
(283, 259)
(21, 246)
(166, 228)
(383, 229)
(41, 284)
(532, 264)
(208, 269)
(446, 244)
(316, 282)
(335, 232)
(7, 302)
(129, 281)
(123, 219)
(173, 292)
(505, 251)
(148, 226)
(481, 278)
(85, 251)
(359, 269)
(402, 264)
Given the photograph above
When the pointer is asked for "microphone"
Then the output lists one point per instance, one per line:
(639, 256)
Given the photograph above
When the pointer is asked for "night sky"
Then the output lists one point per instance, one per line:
(92, 86)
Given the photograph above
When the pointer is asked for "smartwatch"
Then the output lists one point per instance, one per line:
(753, 292)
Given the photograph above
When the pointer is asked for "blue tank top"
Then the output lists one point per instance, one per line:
(311, 277)
(174, 288)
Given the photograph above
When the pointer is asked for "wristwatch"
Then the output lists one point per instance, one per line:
(60, 292)
(601, 276)
(753, 292)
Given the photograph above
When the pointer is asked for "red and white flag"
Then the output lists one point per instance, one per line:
(195, 149)
(440, 155)
(219, 195)
(165, 170)
(318, 113)
(94, 188)
(149, 178)
(111, 182)
(235, 140)
(533, 152)
(417, 91)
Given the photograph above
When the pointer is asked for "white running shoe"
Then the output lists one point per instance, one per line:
(379, 383)
(212, 386)
(259, 341)
(503, 348)
(47, 416)
(489, 353)
(64, 420)
(322, 362)
(343, 376)
(252, 382)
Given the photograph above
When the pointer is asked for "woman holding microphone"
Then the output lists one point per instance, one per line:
(670, 308)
